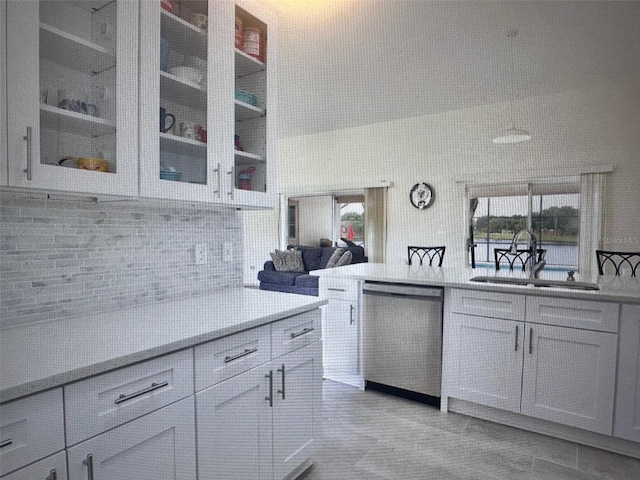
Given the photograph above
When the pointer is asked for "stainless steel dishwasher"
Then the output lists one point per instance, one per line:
(402, 336)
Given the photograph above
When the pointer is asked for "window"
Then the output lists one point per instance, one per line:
(551, 211)
(350, 228)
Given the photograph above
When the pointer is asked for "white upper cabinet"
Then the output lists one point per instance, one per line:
(72, 93)
(205, 134)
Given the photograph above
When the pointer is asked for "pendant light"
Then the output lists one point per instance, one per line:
(513, 134)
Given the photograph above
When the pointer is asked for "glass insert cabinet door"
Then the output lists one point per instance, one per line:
(205, 135)
(72, 78)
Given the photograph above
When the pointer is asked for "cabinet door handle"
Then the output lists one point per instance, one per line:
(281, 392)
(89, 463)
(53, 475)
(530, 341)
(351, 319)
(247, 351)
(29, 169)
(6, 443)
(230, 172)
(333, 289)
(516, 338)
(154, 386)
(270, 397)
(302, 332)
(219, 172)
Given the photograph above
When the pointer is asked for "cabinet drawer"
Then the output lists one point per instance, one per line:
(43, 470)
(224, 358)
(339, 288)
(95, 405)
(487, 304)
(568, 312)
(295, 332)
(30, 429)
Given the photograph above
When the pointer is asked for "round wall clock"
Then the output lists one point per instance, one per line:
(421, 195)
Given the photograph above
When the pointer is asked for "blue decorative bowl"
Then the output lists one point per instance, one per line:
(246, 97)
(170, 175)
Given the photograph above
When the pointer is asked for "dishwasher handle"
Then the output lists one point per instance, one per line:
(404, 290)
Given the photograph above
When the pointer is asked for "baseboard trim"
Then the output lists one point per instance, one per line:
(544, 427)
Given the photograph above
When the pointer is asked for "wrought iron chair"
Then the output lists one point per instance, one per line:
(520, 258)
(619, 263)
(421, 253)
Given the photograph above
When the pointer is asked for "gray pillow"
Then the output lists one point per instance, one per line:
(287, 261)
(345, 259)
(335, 256)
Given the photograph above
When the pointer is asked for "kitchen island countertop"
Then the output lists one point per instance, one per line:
(617, 289)
(43, 355)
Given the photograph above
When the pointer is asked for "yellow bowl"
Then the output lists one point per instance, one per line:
(91, 163)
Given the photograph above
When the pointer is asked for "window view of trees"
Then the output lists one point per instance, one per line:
(352, 223)
(555, 220)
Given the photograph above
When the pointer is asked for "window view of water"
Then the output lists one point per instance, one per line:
(558, 254)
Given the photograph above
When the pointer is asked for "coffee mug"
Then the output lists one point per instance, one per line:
(200, 20)
(201, 133)
(188, 130)
(78, 106)
(164, 128)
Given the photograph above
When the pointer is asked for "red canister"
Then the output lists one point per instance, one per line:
(253, 43)
(239, 34)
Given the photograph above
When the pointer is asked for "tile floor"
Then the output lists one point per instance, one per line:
(374, 436)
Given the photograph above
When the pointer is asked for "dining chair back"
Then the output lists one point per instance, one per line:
(419, 255)
(618, 263)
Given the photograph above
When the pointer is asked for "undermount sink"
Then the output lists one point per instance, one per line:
(537, 282)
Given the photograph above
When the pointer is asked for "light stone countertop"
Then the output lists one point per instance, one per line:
(617, 289)
(43, 355)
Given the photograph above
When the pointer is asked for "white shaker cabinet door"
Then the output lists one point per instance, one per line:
(72, 93)
(50, 468)
(297, 410)
(157, 446)
(235, 427)
(569, 376)
(627, 417)
(487, 360)
(340, 339)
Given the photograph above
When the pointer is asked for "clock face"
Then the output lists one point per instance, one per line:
(421, 195)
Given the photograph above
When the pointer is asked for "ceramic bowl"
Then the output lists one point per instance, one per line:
(170, 175)
(246, 97)
(187, 73)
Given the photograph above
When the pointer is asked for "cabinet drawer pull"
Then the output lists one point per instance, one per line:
(516, 338)
(270, 397)
(351, 319)
(29, 169)
(333, 289)
(219, 172)
(302, 332)
(89, 463)
(150, 388)
(53, 475)
(281, 392)
(231, 358)
(530, 341)
(6, 443)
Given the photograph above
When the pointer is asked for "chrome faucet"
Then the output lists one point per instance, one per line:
(534, 266)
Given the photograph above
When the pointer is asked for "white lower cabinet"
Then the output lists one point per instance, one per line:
(156, 446)
(564, 375)
(340, 330)
(487, 367)
(50, 468)
(627, 417)
(263, 423)
(235, 428)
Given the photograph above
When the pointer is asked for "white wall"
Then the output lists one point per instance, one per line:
(596, 126)
(316, 219)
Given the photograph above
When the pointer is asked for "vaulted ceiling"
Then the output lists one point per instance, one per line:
(344, 63)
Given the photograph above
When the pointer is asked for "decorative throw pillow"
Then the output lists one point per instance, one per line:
(345, 259)
(335, 256)
(287, 261)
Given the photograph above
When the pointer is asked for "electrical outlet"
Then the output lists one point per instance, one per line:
(227, 252)
(200, 253)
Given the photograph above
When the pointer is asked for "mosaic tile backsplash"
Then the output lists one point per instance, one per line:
(67, 258)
